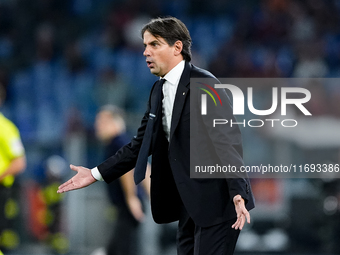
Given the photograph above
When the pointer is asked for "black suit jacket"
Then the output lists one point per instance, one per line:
(208, 201)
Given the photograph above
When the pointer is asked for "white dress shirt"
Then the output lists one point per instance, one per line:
(169, 92)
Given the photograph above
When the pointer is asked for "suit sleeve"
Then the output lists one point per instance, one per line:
(125, 159)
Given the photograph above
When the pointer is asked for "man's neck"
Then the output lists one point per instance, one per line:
(174, 72)
(173, 66)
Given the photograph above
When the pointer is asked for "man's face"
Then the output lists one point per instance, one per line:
(160, 57)
(105, 126)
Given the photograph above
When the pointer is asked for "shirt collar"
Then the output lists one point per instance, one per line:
(175, 73)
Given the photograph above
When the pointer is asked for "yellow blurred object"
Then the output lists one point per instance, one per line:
(50, 194)
(10, 147)
(59, 243)
(9, 239)
(11, 209)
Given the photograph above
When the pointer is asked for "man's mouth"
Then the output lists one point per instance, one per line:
(150, 64)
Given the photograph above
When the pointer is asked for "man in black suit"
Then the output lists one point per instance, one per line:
(211, 212)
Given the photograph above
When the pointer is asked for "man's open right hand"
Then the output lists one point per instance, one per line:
(82, 179)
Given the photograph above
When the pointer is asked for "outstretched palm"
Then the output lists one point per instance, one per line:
(82, 179)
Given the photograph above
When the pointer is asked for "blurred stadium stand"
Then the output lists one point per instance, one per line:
(60, 60)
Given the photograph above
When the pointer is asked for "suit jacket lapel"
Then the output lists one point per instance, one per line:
(181, 95)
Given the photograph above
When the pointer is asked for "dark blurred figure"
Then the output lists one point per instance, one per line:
(44, 206)
(123, 193)
(12, 163)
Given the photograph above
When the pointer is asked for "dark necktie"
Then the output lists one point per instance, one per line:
(143, 155)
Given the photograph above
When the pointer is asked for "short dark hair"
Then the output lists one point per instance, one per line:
(172, 30)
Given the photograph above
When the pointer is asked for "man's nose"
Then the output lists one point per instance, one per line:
(146, 52)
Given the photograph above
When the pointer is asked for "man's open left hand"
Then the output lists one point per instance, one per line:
(241, 211)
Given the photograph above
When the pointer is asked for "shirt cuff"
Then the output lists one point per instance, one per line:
(96, 174)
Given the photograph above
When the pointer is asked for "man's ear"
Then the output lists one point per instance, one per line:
(178, 46)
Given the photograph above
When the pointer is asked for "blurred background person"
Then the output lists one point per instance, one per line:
(62, 59)
(12, 163)
(44, 208)
(123, 193)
